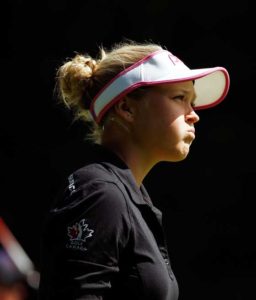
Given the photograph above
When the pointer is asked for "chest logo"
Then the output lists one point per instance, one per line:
(78, 233)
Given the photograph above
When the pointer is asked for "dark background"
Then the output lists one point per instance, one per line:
(208, 199)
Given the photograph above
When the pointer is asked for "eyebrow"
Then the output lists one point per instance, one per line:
(185, 91)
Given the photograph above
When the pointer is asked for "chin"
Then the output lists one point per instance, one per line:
(175, 154)
(181, 155)
(177, 157)
(180, 158)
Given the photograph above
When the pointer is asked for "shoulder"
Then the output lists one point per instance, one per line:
(93, 194)
(92, 186)
(94, 178)
(93, 172)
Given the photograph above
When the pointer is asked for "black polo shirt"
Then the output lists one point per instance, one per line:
(103, 239)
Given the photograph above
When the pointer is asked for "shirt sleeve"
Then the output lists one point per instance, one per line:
(93, 231)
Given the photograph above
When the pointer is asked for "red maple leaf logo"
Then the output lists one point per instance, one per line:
(73, 231)
(79, 231)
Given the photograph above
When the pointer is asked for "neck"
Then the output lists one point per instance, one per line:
(134, 157)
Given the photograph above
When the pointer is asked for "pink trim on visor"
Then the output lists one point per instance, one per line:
(211, 84)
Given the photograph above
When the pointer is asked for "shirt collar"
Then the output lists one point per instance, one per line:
(105, 156)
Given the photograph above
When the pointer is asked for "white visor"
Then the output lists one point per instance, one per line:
(211, 84)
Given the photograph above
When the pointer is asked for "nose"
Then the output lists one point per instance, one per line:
(192, 117)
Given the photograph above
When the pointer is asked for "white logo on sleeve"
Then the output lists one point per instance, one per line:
(71, 185)
(78, 233)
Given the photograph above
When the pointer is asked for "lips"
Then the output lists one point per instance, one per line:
(192, 130)
(191, 133)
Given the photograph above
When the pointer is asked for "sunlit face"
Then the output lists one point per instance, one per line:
(164, 119)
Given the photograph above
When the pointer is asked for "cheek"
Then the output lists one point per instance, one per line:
(177, 125)
(172, 122)
(159, 117)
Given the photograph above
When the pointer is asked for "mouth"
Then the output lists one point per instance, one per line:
(191, 132)
(190, 136)
(192, 129)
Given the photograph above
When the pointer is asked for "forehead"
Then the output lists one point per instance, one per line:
(185, 86)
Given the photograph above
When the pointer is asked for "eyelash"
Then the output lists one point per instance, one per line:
(179, 97)
(182, 98)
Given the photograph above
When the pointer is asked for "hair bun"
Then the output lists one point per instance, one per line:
(91, 64)
(84, 65)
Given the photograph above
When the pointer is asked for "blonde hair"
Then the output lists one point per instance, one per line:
(82, 77)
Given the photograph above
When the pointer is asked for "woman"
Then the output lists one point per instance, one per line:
(103, 238)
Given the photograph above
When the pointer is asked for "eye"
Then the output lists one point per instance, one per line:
(183, 98)
(179, 97)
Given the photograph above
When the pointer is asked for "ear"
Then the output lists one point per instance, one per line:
(125, 109)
